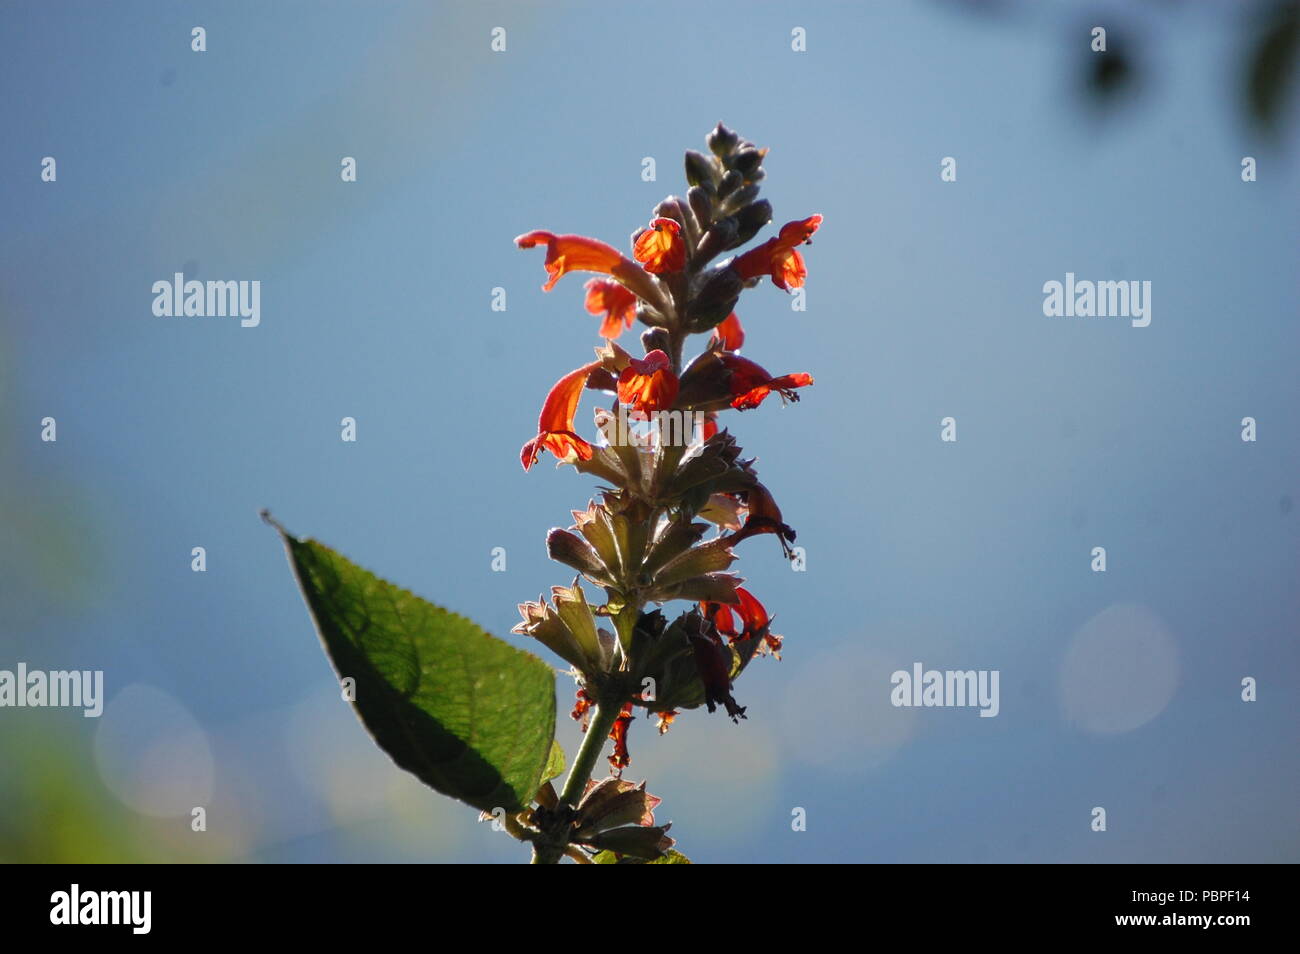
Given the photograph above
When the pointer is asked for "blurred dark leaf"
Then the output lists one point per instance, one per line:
(1272, 65)
(1111, 75)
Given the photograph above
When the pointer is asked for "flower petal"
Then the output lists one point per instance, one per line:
(608, 297)
(661, 248)
(730, 332)
(648, 384)
(555, 424)
(778, 256)
(577, 253)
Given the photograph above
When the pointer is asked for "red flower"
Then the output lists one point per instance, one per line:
(555, 425)
(713, 664)
(730, 333)
(616, 302)
(649, 384)
(778, 256)
(577, 253)
(661, 248)
(753, 617)
(750, 384)
(710, 424)
(764, 517)
(621, 759)
(581, 705)
(618, 732)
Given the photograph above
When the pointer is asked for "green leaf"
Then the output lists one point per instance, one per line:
(554, 763)
(467, 714)
(671, 857)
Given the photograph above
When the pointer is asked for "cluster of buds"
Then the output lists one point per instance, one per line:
(678, 494)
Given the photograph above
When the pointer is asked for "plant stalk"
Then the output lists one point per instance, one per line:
(603, 716)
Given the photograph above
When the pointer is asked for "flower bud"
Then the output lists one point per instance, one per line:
(571, 550)
(701, 203)
(749, 220)
(649, 316)
(656, 339)
(671, 208)
(746, 161)
(719, 237)
(732, 181)
(739, 199)
(701, 170)
(721, 140)
(715, 300)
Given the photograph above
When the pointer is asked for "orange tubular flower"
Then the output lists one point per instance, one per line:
(582, 704)
(572, 253)
(661, 248)
(750, 384)
(555, 425)
(649, 384)
(577, 253)
(730, 333)
(713, 665)
(764, 517)
(604, 295)
(753, 617)
(779, 257)
(621, 759)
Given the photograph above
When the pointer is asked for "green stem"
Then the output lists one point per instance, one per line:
(593, 743)
(602, 720)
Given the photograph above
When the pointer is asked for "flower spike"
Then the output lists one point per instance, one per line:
(676, 498)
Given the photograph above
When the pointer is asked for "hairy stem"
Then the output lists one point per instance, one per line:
(603, 715)
(677, 340)
(593, 743)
